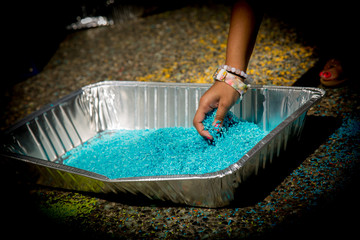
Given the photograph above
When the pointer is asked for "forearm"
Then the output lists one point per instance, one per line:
(244, 25)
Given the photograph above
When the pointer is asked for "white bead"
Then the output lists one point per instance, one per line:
(237, 72)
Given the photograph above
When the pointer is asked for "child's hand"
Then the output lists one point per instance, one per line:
(221, 96)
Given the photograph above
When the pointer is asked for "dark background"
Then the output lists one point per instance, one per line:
(32, 30)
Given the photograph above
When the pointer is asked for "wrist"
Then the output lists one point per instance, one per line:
(238, 72)
(238, 82)
(239, 65)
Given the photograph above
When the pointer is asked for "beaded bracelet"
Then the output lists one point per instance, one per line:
(247, 78)
(233, 80)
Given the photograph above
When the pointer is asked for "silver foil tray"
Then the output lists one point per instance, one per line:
(31, 148)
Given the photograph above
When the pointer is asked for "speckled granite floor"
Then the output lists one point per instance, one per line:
(186, 45)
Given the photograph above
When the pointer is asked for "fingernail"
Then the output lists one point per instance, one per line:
(325, 74)
(217, 123)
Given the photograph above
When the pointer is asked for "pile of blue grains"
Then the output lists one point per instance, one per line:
(166, 151)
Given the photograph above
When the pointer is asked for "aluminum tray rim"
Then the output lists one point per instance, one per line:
(216, 174)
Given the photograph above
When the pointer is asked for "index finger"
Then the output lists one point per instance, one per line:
(198, 119)
(221, 113)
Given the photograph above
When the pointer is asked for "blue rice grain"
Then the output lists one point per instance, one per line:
(166, 151)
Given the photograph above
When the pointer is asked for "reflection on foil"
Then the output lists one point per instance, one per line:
(90, 22)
